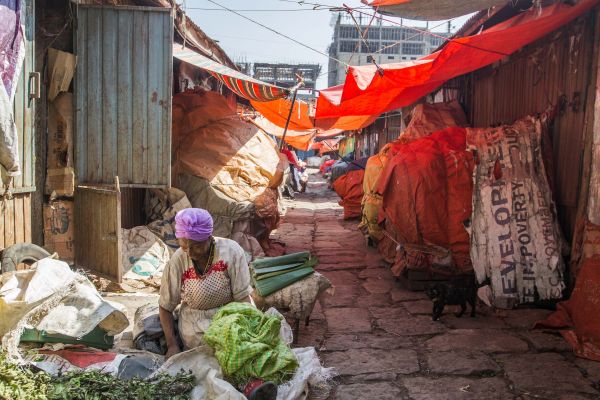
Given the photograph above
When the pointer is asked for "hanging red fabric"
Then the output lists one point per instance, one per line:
(373, 90)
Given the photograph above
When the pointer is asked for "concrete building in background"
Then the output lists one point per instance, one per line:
(282, 74)
(385, 43)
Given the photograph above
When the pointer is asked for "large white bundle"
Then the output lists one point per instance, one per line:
(50, 297)
(515, 238)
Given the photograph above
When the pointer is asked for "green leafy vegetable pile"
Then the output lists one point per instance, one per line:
(18, 383)
(21, 383)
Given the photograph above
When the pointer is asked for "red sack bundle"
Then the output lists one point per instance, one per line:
(350, 188)
(427, 188)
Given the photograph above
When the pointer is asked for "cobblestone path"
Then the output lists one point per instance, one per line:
(381, 338)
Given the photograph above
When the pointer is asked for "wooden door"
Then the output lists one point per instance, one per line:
(98, 231)
(15, 211)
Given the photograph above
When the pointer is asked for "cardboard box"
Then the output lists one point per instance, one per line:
(60, 131)
(60, 182)
(59, 231)
(61, 68)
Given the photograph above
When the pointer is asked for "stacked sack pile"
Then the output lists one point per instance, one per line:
(227, 166)
(418, 194)
(347, 181)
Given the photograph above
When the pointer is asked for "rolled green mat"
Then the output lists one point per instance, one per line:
(281, 260)
(276, 273)
(267, 286)
(276, 268)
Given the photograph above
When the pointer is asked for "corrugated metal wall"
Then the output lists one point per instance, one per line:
(373, 138)
(555, 70)
(123, 95)
(15, 214)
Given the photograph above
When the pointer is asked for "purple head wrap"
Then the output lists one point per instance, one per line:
(194, 224)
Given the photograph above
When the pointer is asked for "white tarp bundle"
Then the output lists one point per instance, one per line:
(433, 10)
(516, 242)
(50, 297)
(298, 299)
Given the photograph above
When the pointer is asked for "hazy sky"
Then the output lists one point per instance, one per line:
(246, 41)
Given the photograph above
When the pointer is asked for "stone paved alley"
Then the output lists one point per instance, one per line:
(381, 338)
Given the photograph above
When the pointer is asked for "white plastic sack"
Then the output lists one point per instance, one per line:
(516, 242)
(311, 379)
(80, 311)
(298, 299)
(26, 289)
(314, 162)
(144, 254)
(52, 298)
(210, 384)
(285, 331)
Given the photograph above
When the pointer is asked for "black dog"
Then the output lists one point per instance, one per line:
(458, 291)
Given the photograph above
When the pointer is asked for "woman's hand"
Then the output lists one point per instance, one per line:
(168, 325)
(172, 350)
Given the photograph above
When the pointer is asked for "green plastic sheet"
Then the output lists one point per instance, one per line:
(247, 345)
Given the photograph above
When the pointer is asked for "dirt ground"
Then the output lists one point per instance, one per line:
(381, 338)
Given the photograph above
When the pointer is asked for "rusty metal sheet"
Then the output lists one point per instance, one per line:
(124, 95)
(98, 231)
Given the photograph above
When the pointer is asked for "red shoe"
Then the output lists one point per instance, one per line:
(260, 390)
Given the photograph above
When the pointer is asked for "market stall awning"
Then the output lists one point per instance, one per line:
(243, 85)
(431, 10)
(373, 90)
(300, 140)
(277, 112)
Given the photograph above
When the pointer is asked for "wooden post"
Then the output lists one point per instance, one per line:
(287, 122)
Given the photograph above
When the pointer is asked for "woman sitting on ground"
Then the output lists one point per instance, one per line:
(204, 274)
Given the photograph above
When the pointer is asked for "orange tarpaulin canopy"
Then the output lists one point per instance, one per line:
(299, 140)
(277, 112)
(372, 91)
